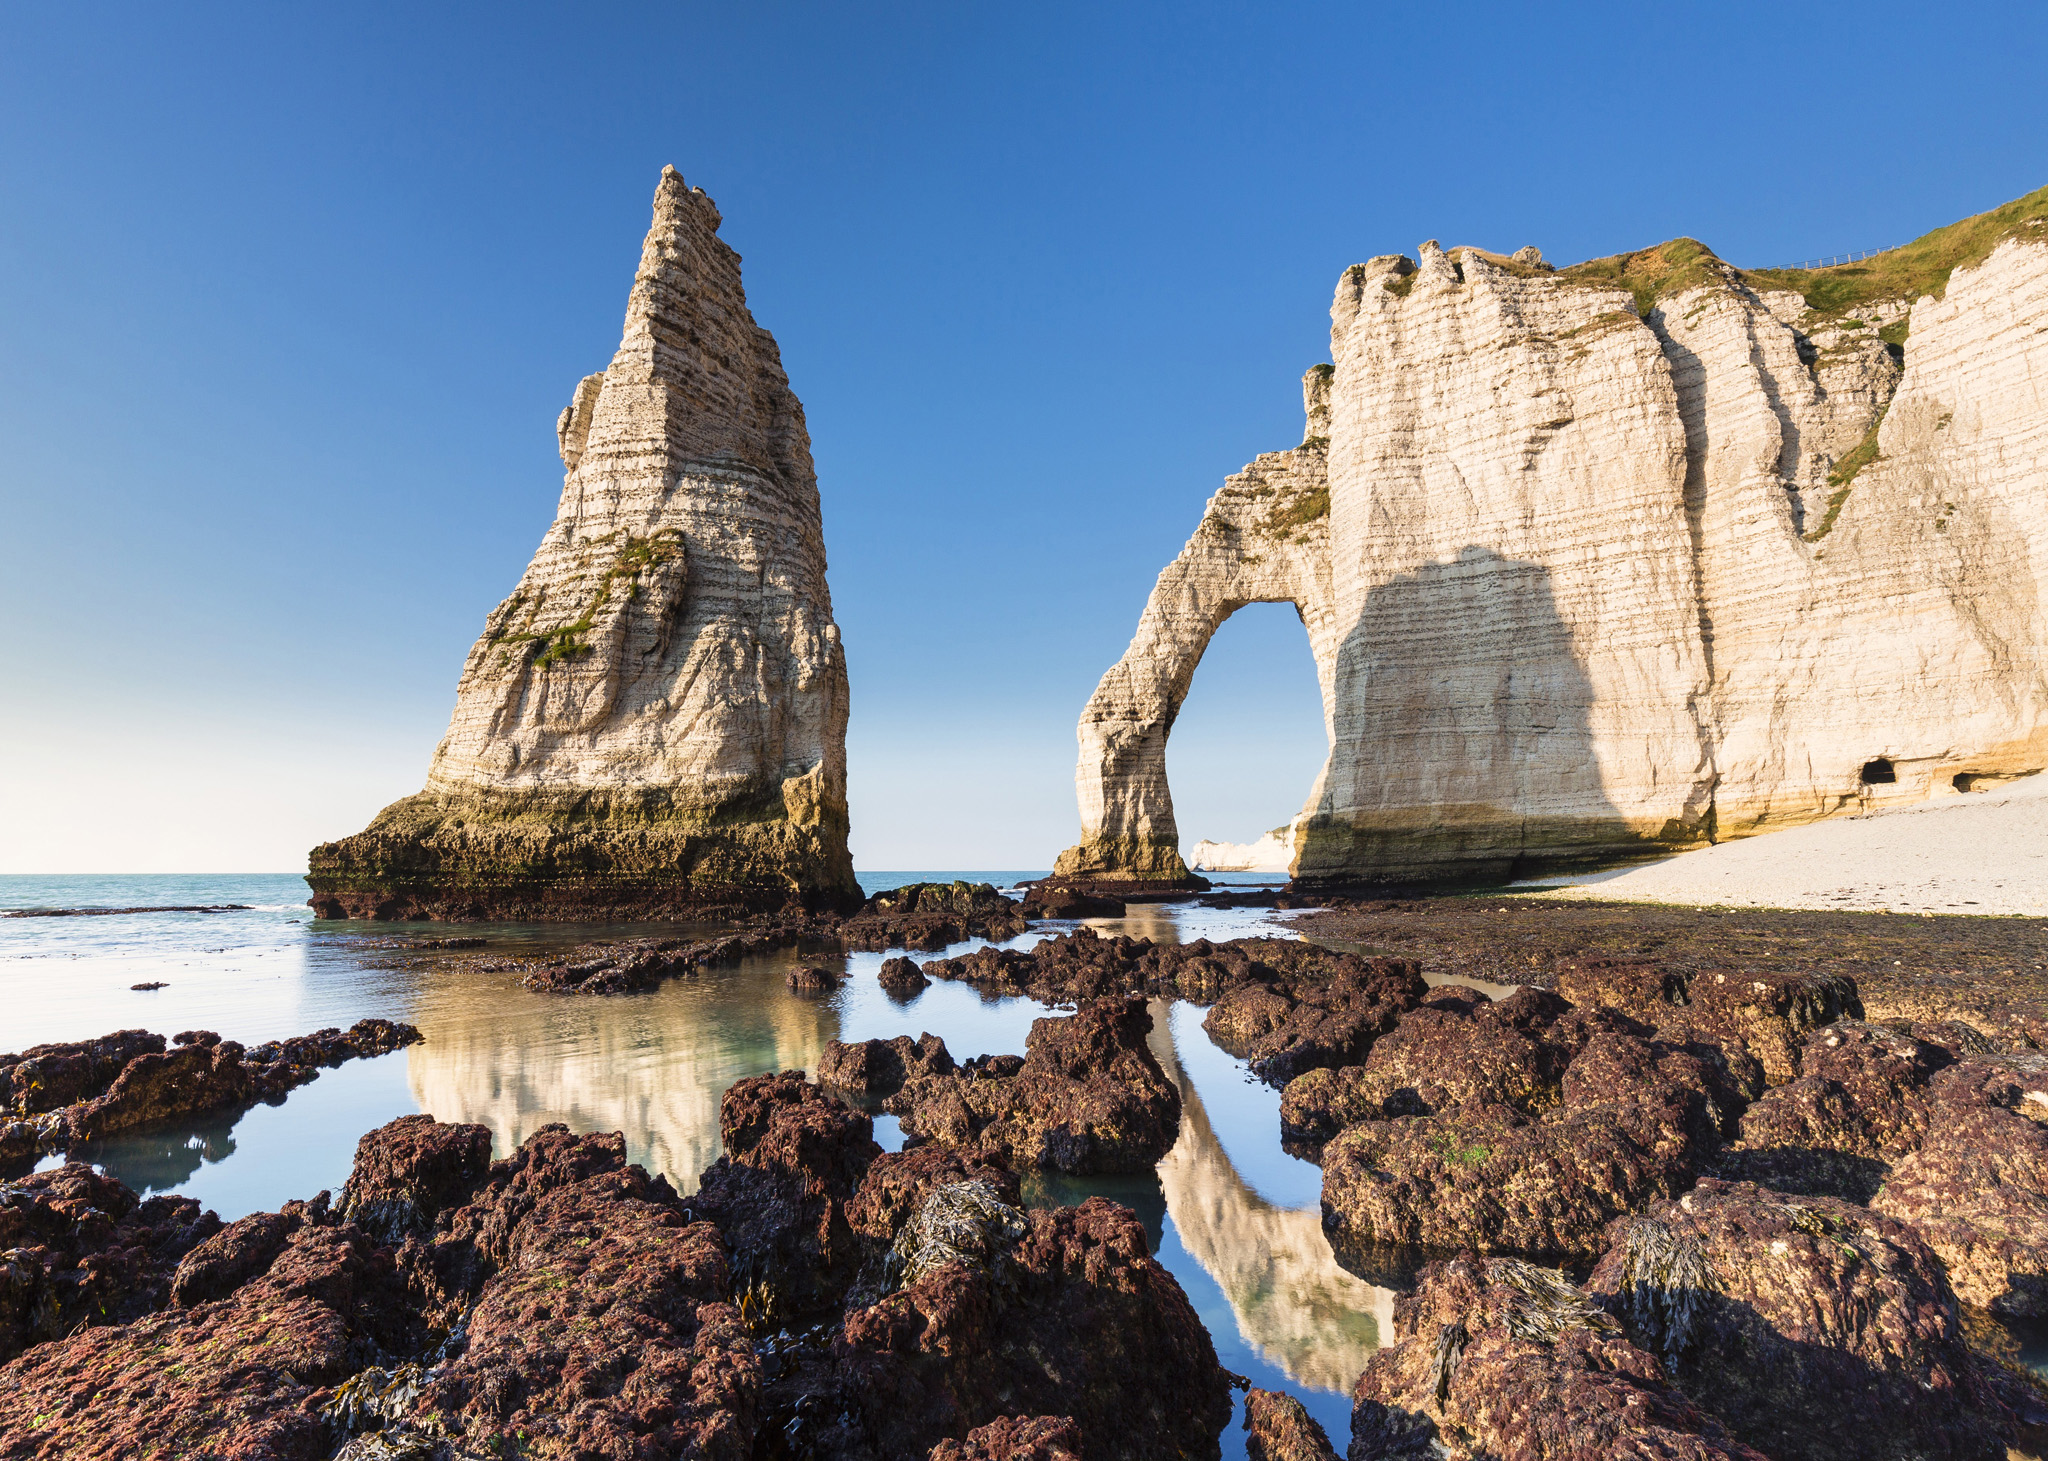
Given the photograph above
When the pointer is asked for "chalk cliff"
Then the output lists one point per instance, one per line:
(1265, 538)
(1272, 853)
(1636, 554)
(655, 721)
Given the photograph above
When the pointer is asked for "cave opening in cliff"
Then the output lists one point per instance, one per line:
(1880, 772)
(1249, 741)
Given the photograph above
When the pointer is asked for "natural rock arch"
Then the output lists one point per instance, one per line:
(1263, 539)
(1604, 561)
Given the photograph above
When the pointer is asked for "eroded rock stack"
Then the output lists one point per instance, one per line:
(655, 721)
(1635, 554)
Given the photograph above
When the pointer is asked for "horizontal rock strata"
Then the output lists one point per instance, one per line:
(1646, 552)
(654, 723)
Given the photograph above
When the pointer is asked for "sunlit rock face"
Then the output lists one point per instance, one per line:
(655, 721)
(1272, 853)
(1265, 538)
(1611, 566)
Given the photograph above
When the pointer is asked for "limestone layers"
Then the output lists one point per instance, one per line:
(1640, 553)
(655, 721)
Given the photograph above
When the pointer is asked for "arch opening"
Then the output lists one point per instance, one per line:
(1249, 744)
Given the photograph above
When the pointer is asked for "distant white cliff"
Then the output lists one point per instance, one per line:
(1270, 854)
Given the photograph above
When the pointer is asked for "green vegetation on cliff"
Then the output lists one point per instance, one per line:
(1919, 268)
(566, 641)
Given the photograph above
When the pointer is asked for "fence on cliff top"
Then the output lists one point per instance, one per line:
(1834, 259)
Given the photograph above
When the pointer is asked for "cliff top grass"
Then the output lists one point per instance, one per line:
(1653, 273)
(1919, 268)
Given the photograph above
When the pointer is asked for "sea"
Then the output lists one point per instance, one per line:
(1232, 1216)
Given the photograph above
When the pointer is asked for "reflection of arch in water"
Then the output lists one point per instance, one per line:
(1293, 1304)
(652, 1066)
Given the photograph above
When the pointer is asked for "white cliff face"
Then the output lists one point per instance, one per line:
(1272, 853)
(1900, 620)
(1509, 548)
(1608, 574)
(657, 714)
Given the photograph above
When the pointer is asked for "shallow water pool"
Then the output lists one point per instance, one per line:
(1232, 1216)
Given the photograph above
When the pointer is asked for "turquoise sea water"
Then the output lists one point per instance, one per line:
(1232, 1216)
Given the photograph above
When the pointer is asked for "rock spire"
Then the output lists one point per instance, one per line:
(654, 722)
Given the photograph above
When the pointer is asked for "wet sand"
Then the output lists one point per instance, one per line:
(1908, 966)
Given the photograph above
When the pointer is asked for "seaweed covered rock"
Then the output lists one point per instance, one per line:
(1497, 1358)
(570, 1306)
(1278, 1427)
(1016, 1438)
(609, 1334)
(1458, 1047)
(794, 1157)
(1054, 900)
(1088, 1097)
(876, 1068)
(897, 1185)
(1070, 1318)
(65, 1095)
(930, 916)
(1084, 965)
(231, 1257)
(901, 979)
(1487, 1177)
(47, 1077)
(1858, 1105)
(1977, 1189)
(244, 1375)
(813, 979)
(79, 1248)
(627, 966)
(1461, 1048)
(1768, 1014)
(1518, 1126)
(1318, 1104)
(408, 1171)
(1818, 1330)
(1328, 1016)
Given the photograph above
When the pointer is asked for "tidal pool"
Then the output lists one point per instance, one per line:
(1233, 1217)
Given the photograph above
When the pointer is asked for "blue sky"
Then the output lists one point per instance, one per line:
(289, 300)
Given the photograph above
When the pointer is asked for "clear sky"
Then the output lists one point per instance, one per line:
(290, 297)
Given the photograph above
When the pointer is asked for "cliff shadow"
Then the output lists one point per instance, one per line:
(1463, 745)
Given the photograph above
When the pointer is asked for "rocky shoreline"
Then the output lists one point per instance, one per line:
(1709, 1210)
(817, 1297)
(56, 1097)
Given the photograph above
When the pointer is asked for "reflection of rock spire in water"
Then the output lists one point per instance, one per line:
(1292, 1302)
(653, 1067)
